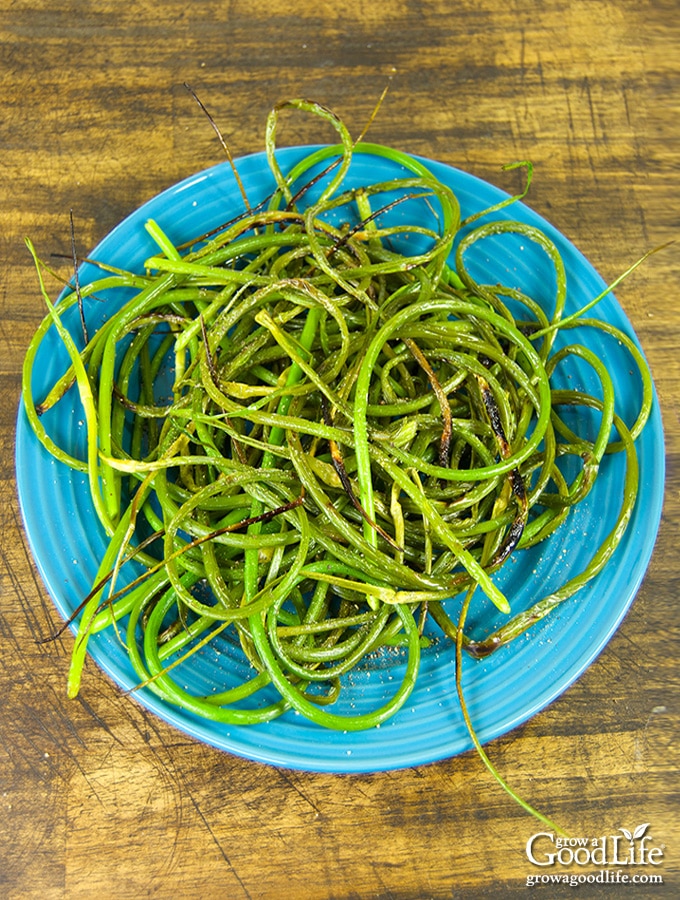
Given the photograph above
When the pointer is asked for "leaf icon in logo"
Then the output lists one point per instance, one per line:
(638, 833)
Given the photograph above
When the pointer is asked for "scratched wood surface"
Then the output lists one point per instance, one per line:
(99, 798)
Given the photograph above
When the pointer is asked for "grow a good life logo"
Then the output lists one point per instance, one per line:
(625, 857)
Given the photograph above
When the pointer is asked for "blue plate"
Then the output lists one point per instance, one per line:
(503, 690)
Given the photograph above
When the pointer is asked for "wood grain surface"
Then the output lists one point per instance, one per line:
(99, 799)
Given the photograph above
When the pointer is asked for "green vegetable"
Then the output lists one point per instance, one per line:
(352, 437)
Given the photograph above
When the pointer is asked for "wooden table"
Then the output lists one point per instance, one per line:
(99, 798)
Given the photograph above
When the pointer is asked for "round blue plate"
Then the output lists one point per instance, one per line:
(503, 690)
